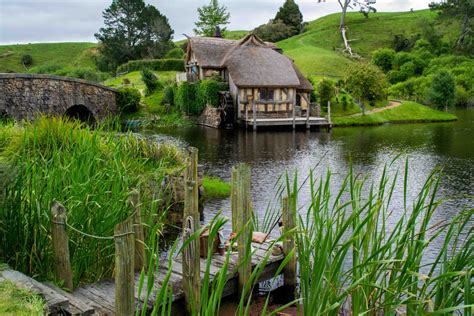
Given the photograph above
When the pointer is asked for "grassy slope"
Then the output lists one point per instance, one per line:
(61, 54)
(407, 112)
(318, 50)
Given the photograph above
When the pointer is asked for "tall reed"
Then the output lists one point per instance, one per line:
(90, 172)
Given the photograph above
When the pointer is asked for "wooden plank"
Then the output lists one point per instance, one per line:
(102, 306)
(55, 302)
(77, 306)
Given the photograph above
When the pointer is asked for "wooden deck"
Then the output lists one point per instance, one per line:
(99, 298)
(287, 121)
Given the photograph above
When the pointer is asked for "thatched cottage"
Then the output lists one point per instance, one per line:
(260, 77)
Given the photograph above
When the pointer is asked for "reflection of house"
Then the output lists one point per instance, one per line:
(264, 83)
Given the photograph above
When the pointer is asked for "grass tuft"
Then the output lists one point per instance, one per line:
(215, 188)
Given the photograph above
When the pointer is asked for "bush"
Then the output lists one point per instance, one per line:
(27, 60)
(325, 91)
(150, 80)
(152, 64)
(128, 100)
(400, 59)
(414, 89)
(402, 43)
(207, 93)
(366, 82)
(344, 103)
(168, 95)
(275, 31)
(443, 89)
(383, 58)
(175, 53)
(185, 98)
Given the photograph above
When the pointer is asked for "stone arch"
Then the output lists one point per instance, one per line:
(81, 113)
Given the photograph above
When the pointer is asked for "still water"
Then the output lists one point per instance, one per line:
(271, 154)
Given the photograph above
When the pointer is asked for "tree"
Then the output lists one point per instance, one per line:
(442, 92)
(464, 10)
(365, 8)
(212, 17)
(366, 82)
(325, 91)
(133, 30)
(274, 31)
(291, 15)
(383, 58)
(27, 60)
(150, 80)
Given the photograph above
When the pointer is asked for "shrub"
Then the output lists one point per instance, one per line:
(152, 64)
(325, 91)
(128, 100)
(207, 93)
(275, 31)
(185, 98)
(402, 43)
(27, 60)
(344, 103)
(168, 95)
(175, 53)
(443, 89)
(415, 89)
(383, 58)
(366, 82)
(150, 80)
(400, 59)
(407, 70)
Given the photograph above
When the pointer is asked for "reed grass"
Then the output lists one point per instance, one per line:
(91, 172)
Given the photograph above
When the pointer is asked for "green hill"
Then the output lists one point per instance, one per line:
(45, 54)
(318, 51)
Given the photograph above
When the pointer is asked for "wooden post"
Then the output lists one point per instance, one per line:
(246, 113)
(124, 268)
(294, 110)
(243, 223)
(254, 106)
(191, 258)
(307, 115)
(233, 200)
(289, 221)
(62, 262)
(329, 111)
(140, 258)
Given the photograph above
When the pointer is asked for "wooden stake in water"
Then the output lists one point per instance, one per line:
(140, 259)
(243, 222)
(124, 268)
(62, 262)
(191, 258)
(289, 220)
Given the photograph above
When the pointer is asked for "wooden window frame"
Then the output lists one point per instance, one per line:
(266, 93)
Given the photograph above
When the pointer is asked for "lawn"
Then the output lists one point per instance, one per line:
(408, 112)
(15, 301)
(58, 54)
(135, 79)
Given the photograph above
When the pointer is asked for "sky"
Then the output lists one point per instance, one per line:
(33, 21)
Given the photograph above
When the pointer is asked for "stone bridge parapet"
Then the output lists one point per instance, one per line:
(24, 96)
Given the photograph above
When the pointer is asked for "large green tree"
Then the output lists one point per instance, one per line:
(133, 30)
(442, 92)
(366, 82)
(464, 11)
(291, 15)
(211, 17)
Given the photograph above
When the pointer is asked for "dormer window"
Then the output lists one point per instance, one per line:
(266, 94)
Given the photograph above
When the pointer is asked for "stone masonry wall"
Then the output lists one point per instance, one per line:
(210, 117)
(24, 96)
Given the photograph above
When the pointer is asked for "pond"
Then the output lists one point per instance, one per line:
(369, 149)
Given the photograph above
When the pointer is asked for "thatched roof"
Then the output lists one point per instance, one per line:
(250, 62)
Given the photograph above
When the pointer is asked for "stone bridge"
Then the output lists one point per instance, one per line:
(24, 96)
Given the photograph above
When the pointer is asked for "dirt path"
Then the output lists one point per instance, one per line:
(391, 105)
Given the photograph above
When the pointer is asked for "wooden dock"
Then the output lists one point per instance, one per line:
(99, 298)
(287, 121)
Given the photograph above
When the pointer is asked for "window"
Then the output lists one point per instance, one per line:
(266, 94)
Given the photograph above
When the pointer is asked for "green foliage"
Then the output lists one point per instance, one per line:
(443, 89)
(383, 58)
(344, 103)
(150, 80)
(168, 95)
(207, 92)
(366, 82)
(175, 53)
(152, 64)
(215, 188)
(291, 16)
(27, 60)
(401, 42)
(185, 98)
(211, 18)
(325, 91)
(412, 89)
(274, 31)
(90, 172)
(128, 100)
(133, 30)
